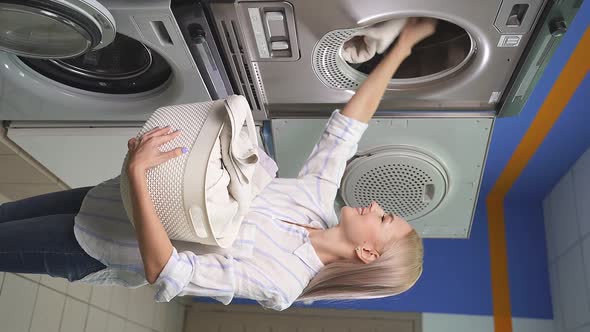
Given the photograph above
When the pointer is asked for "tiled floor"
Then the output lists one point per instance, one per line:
(31, 303)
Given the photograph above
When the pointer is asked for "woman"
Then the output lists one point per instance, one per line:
(290, 247)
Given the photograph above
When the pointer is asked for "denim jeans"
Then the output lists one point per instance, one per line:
(37, 236)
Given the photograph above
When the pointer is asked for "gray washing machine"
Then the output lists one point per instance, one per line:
(424, 153)
(288, 53)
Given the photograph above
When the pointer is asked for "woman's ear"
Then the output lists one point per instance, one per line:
(366, 254)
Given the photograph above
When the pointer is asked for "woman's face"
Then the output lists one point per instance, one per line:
(371, 227)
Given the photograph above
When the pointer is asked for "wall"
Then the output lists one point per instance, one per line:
(567, 221)
(467, 323)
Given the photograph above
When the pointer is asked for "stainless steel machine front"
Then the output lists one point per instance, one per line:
(291, 51)
(424, 154)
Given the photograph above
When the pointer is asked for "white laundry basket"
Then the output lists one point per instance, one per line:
(178, 186)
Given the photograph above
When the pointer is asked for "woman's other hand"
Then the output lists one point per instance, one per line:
(144, 153)
(416, 29)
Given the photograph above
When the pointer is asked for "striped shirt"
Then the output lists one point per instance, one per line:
(271, 261)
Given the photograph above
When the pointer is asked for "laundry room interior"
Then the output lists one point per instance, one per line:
(480, 142)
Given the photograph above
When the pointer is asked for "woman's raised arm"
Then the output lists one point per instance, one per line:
(364, 103)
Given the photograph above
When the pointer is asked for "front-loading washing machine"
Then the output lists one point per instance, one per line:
(423, 155)
(107, 60)
(475, 62)
(79, 77)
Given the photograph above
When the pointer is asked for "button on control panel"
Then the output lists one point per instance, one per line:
(275, 25)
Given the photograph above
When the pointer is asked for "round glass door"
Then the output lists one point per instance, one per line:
(51, 30)
(126, 66)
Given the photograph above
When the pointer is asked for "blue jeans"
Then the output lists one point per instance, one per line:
(37, 236)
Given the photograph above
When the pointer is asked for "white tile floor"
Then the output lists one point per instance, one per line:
(31, 303)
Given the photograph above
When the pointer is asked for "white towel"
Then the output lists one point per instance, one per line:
(221, 207)
(240, 173)
(237, 171)
(265, 171)
(371, 40)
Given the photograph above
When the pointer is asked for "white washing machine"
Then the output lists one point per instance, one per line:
(78, 77)
(108, 60)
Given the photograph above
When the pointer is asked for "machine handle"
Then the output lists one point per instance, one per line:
(206, 62)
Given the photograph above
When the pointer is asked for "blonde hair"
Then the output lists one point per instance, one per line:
(394, 272)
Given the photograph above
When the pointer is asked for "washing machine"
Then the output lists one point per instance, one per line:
(79, 77)
(424, 153)
(107, 60)
(485, 56)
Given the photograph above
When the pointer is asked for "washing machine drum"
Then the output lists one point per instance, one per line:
(126, 66)
(405, 181)
(436, 58)
(52, 29)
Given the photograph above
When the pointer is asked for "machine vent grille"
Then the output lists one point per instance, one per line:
(259, 81)
(244, 82)
(325, 57)
(404, 182)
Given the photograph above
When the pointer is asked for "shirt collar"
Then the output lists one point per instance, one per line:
(307, 254)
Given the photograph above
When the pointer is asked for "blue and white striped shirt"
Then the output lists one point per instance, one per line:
(271, 261)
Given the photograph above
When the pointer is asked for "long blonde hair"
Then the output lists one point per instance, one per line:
(394, 272)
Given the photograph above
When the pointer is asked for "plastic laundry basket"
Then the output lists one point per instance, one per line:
(177, 187)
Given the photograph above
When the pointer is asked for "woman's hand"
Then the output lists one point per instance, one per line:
(416, 29)
(364, 103)
(144, 153)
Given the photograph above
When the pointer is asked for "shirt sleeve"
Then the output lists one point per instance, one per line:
(213, 275)
(323, 170)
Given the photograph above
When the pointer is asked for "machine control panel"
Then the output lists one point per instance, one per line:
(272, 34)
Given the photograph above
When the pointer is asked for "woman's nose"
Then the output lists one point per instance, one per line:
(372, 205)
(375, 206)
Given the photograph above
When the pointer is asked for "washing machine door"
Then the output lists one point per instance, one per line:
(53, 29)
